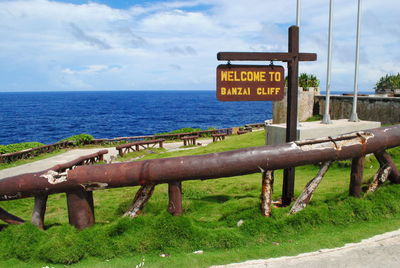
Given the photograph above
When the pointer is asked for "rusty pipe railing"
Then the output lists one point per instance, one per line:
(210, 166)
(79, 182)
(73, 197)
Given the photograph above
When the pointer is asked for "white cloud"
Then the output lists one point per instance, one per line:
(173, 45)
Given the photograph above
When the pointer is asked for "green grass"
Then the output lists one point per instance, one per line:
(316, 117)
(15, 147)
(212, 209)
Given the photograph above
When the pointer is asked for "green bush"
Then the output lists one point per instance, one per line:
(187, 130)
(306, 81)
(80, 139)
(181, 130)
(16, 147)
(388, 83)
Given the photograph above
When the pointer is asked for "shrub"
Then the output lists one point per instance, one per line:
(181, 130)
(388, 83)
(306, 81)
(16, 147)
(80, 139)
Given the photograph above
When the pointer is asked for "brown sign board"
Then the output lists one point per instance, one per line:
(250, 82)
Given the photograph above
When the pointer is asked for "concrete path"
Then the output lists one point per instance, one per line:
(378, 251)
(74, 154)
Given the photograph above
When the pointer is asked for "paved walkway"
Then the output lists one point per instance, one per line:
(74, 154)
(378, 251)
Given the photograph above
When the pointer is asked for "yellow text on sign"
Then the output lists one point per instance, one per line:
(259, 76)
(238, 91)
(268, 90)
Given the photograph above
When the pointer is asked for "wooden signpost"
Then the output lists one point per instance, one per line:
(292, 57)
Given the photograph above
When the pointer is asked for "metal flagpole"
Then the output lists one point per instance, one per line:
(354, 117)
(298, 13)
(327, 118)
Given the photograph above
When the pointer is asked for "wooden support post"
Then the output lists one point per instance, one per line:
(384, 158)
(80, 208)
(356, 176)
(9, 218)
(379, 178)
(291, 119)
(308, 191)
(141, 198)
(267, 189)
(175, 198)
(39, 209)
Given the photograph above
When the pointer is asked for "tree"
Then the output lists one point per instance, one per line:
(306, 81)
(388, 83)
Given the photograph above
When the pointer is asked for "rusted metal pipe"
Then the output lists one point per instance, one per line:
(39, 210)
(210, 166)
(175, 198)
(10, 218)
(356, 176)
(80, 208)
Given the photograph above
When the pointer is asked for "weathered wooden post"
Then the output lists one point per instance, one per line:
(291, 117)
(142, 196)
(384, 158)
(267, 189)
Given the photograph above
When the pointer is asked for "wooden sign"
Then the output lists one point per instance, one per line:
(250, 82)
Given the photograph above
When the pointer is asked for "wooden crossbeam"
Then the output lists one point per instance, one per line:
(265, 56)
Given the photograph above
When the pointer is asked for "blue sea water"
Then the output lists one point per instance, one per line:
(48, 117)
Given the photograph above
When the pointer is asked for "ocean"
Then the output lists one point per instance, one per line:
(48, 117)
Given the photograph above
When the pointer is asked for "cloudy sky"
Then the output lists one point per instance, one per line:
(156, 45)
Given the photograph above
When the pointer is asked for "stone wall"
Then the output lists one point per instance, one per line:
(371, 108)
(306, 104)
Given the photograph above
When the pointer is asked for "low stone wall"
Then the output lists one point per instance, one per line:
(305, 106)
(371, 108)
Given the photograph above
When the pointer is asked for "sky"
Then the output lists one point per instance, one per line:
(73, 45)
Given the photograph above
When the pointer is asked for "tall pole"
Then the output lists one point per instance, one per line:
(291, 119)
(298, 13)
(327, 118)
(354, 117)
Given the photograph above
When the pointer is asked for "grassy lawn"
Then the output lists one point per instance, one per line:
(212, 210)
